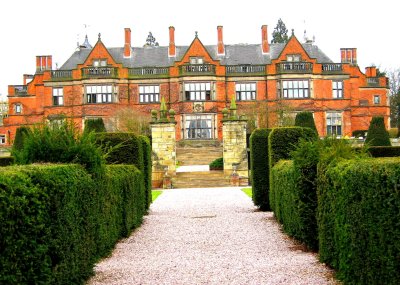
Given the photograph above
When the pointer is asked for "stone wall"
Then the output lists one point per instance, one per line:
(163, 147)
(235, 148)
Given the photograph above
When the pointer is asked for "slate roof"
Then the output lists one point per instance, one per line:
(158, 56)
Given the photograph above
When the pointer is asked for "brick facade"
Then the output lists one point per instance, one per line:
(287, 78)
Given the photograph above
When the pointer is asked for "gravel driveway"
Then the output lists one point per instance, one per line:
(209, 236)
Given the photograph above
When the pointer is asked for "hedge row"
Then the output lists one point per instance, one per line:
(281, 142)
(58, 220)
(358, 220)
(384, 151)
(128, 148)
(6, 160)
(260, 168)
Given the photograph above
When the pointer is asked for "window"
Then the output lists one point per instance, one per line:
(199, 126)
(149, 94)
(377, 99)
(18, 108)
(2, 139)
(334, 124)
(245, 91)
(99, 62)
(294, 89)
(58, 96)
(199, 91)
(99, 94)
(293, 57)
(196, 60)
(337, 89)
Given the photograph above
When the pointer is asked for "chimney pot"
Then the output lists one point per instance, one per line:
(221, 47)
(264, 36)
(172, 47)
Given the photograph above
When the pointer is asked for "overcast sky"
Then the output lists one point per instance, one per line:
(50, 27)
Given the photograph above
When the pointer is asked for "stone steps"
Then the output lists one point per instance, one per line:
(197, 155)
(200, 179)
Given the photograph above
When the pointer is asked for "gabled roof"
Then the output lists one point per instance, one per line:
(158, 56)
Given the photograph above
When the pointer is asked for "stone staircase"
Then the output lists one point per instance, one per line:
(194, 155)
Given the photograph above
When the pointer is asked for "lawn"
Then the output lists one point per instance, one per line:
(155, 194)
(247, 191)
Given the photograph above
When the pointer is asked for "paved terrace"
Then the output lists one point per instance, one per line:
(209, 236)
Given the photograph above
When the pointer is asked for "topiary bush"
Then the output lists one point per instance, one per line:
(377, 133)
(94, 125)
(259, 164)
(306, 120)
(358, 220)
(217, 164)
(393, 133)
(20, 135)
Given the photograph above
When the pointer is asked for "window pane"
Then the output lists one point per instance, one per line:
(208, 86)
(197, 86)
(157, 89)
(295, 84)
(109, 89)
(98, 99)
(253, 87)
(305, 82)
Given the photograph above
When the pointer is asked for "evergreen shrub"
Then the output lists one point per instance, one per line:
(58, 220)
(377, 133)
(94, 125)
(217, 164)
(358, 219)
(259, 164)
(6, 160)
(20, 135)
(281, 142)
(306, 120)
(359, 133)
(384, 151)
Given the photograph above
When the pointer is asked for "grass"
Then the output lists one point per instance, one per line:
(155, 194)
(247, 191)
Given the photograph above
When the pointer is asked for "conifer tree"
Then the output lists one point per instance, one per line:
(279, 35)
(305, 119)
(377, 133)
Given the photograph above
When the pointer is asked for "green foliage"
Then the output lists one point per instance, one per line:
(128, 148)
(58, 220)
(279, 35)
(6, 160)
(260, 168)
(248, 192)
(19, 139)
(94, 125)
(384, 151)
(358, 220)
(60, 143)
(305, 120)
(155, 194)
(217, 164)
(377, 134)
(359, 133)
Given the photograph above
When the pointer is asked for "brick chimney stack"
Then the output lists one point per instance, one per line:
(370, 71)
(44, 62)
(221, 47)
(264, 36)
(171, 48)
(348, 55)
(127, 46)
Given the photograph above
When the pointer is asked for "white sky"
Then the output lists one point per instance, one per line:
(51, 27)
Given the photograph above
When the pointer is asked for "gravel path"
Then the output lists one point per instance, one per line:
(209, 236)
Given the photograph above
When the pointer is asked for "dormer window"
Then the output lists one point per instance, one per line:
(293, 57)
(196, 60)
(99, 62)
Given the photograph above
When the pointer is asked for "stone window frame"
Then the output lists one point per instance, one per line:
(18, 108)
(292, 87)
(336, 125)
(187, 94)
(98, 96)
(377, 99)
(154, 96)
(240, 94)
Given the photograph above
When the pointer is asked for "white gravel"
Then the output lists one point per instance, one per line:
(209, 236)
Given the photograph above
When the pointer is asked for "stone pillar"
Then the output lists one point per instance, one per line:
(164, 151)
(235, 148)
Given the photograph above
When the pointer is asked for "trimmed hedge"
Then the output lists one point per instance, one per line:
(281, 142)
(259, 163)
(217, 164)
(359, 133)
(57, 220)
(20, 135)
(384, 151)
(358, 220)
(6, 160)
(377, 134)
(128, 148)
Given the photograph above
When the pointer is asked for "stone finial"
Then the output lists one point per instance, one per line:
(163, 110)
(225, 113)
(171, 115)
(233, 108)
(154, 115)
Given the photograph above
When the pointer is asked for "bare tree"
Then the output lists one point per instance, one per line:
(394, 93)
